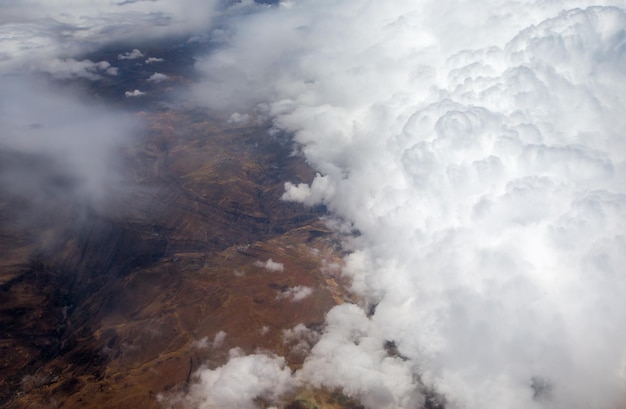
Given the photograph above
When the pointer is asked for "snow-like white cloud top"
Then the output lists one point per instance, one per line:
(479, 149)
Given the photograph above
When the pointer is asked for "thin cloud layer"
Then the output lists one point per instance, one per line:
(57, 147)
(479, 151)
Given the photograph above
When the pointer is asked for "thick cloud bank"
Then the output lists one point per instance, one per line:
(479, 150)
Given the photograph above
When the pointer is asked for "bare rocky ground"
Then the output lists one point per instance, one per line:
(108, 306)
(107, 309)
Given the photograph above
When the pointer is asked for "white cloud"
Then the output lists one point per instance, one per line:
(296, 293)
(270, 265)
(204, 342)
(300, 339)
(70, 68)
(238, 383)
(479, 151)
(477, 147)
(157, 77)
(61, 146)
(237, 118)
(152, 60)
(131, 55)
(134, 93)
(37, 30)
(350, 356)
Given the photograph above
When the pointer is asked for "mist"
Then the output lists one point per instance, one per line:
(478, 149)
(60, 149)
(60, 146)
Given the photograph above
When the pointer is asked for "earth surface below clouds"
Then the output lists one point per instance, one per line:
(119, 308)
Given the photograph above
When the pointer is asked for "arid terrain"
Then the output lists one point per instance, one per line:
(110, 308)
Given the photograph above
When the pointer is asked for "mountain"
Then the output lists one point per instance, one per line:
(114, 306)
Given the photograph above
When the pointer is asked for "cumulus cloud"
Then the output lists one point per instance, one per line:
(238, 383)
(300, 339)
(270, 265)
(157, 77)
(152, 60)
(134, 93)
(131, 55)
(479, 152)
(351, 356)
(295, 294)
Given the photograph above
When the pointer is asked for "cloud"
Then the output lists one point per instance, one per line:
(152, 60)
(270, 265)
(131, 55)
(238, 383)
(350, 355)
(295, 294)
(300, 339)
(57, 147)
(134, 93)
(157, 77)
(36, 31)
(69, 68)
(478, 150)
(217, 342)
(237, 118)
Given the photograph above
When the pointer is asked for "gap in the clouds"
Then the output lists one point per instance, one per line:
(142, 75)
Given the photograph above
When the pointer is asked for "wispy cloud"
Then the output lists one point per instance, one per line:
(56, 132)
(70, 68)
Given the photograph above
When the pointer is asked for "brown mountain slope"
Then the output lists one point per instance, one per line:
(106, 309)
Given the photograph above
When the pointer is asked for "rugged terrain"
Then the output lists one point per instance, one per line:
(107, 308)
